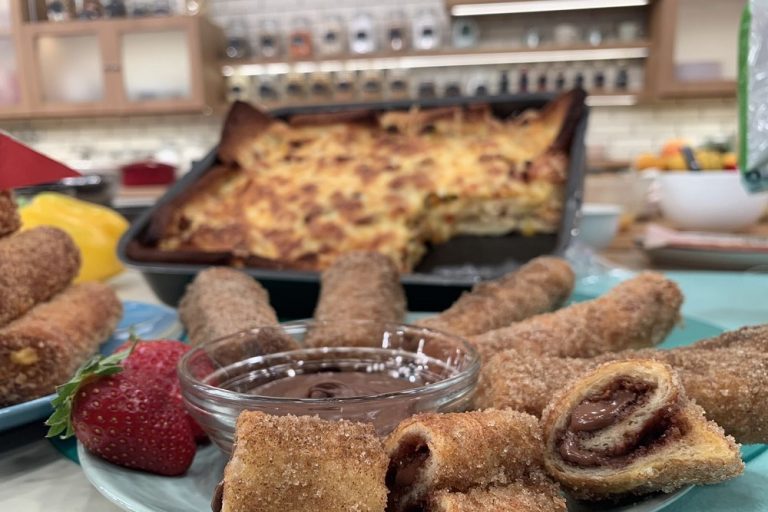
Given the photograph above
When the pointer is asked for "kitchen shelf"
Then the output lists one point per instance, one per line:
(500, 7)
(437, 59)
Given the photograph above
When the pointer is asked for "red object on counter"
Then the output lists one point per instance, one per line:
(22, 166)
(147, 173)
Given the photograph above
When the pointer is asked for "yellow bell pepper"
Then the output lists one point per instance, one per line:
(95, 229)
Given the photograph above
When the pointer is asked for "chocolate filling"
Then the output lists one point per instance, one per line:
(218, 497)
(607, 408)
(404, 469)
(589, 416)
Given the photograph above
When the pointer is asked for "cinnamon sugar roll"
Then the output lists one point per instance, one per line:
(541, 285)
(457, 452)
(726, 375)
(628, 428)
(535, 495)
(635, 314)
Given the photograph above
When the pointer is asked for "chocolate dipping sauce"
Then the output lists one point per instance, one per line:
(334, 385)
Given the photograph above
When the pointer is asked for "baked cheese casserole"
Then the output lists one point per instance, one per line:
(301, 192)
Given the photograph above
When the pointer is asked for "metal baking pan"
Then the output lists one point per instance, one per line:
(445, 271)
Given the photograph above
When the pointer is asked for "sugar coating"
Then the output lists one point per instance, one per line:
(43, 348)
(358, 286)
(304, 464)
(537, 494)
(9, 217)
(222, 301)
(637, 313)
(34, 265)
(727, 375)
(466, 450)
(539, 286)
(690, 449)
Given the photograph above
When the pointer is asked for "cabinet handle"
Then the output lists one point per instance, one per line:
(112, 67)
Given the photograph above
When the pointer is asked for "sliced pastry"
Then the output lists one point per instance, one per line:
(628, 427)
(457, 452)
(302, 464)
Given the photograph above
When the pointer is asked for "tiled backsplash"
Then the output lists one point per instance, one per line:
(620, 132)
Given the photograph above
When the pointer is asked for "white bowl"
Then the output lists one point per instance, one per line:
(709, 201)
(599, 224)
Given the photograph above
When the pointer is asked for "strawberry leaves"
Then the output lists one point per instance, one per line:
(98, 366)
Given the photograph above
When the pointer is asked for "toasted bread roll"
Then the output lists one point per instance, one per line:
(533, 495)
(628, 428)
(358, 286)
(730, 380)
(34, 266)
(303, 464)
(459, 451)
(44, 348)
(635, 314)
(539, 286)
(9, 217)
(223, 301)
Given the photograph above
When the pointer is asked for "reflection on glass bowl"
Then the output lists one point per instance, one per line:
(433, 372)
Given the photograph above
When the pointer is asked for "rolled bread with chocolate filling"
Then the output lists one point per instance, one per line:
(727, 375)
(628, 428)
(459, 451)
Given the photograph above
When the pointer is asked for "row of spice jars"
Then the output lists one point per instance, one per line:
(319, 87)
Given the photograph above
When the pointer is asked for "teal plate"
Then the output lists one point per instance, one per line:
(136, 491)
(145, 320)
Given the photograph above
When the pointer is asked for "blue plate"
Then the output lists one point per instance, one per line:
(147, 321)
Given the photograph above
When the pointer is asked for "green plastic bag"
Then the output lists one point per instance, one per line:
(753, 95)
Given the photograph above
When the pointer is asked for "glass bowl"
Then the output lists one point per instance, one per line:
(218, 378)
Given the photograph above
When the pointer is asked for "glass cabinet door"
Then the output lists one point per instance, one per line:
(70, 68)
(10, 90)
(156, 66)
(706, 37)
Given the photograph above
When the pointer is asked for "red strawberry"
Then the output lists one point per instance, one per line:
(127, 409)
(156, 361)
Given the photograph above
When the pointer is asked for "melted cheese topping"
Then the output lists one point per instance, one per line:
(306, 194)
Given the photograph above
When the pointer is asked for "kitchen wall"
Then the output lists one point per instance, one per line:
(614, 133)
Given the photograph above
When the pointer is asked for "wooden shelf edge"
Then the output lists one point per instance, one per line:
(440, 59)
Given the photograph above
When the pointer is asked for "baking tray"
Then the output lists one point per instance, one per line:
(445, 271)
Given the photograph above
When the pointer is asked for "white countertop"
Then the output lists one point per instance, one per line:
(34, 476)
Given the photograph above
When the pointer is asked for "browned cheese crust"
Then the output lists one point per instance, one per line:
(9, 217)
(34, 266)
(655, 440)
(531, 495)
(727, 375)
(358, 286)
(459, 451)
(299, 194)
(539, 286)
(43, 348)
(222, 301)
(303, 464)
(637, 313)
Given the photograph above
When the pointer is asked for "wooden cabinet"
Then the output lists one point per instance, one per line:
(12, 91)
(120, 66)
(694, 49)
